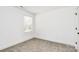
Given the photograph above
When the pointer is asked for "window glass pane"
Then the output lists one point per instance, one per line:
(27, 24)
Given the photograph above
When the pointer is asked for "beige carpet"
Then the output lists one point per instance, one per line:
(39, 45)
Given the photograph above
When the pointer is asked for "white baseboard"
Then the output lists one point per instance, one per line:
(15, 43)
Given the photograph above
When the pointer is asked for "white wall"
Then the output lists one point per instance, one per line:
(57, 25)
(12, 27)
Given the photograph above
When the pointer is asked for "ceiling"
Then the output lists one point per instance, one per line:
(41, 9)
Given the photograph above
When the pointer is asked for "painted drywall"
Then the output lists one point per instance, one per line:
(57, 25)
(12, 27)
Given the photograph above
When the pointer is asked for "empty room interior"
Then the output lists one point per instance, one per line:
(39, 28)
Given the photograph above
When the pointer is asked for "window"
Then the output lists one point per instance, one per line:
(27, 24)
